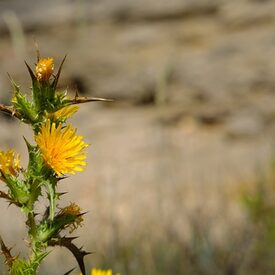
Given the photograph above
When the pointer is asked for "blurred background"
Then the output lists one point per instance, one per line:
(180, 177)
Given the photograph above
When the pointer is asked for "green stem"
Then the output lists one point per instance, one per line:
(52, 199)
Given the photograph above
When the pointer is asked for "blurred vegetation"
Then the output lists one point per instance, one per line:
(246, 249)
(260, 206)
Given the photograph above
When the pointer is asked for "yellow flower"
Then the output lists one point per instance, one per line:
(101, 272)
(96, 271)
(65, 112)
(75, 210)
(9, 162)
(62, 149)
(44, 69)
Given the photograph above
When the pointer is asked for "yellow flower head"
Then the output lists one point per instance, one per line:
(65, 112)
(75, 210)
(62, 149)
(44, 69)
(96, 271)
(9, 162)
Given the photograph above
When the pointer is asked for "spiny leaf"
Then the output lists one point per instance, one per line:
(24, 108)
(9, 110)
(35, 165)
(6, 252)
(14, 85)
(4, 195)
(20, 267)
(78, 253)
(39, 258)
(8, 198)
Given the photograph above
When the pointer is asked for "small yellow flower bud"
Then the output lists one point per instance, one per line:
(44, 69)
(75, 210)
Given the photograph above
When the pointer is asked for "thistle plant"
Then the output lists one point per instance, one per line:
(55, 152)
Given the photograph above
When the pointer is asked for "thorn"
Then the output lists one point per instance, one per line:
(26, 140)
(62, 178)
(10, 78)
(54, 84)
(30, 71)
(10, 249)
(82, 214)
(78, 99)
(15, 86)
(70, 238)
(70, 271)
(61, 194)
(27, 143)
(88, 253)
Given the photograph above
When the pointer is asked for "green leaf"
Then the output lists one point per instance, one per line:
(18, 189)
(21, 267)
(36, 162)
(23, 106)
(53, 196)
(37, 259)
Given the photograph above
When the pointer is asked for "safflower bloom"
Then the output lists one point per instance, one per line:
(9, 162)
(61, 149)
(44, 69)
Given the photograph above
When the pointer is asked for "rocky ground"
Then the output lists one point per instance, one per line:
(193, 83)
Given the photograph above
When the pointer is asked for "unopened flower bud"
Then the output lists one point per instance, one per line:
(44, 69)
